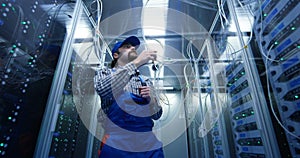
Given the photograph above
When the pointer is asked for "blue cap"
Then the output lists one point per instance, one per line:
(134, 41)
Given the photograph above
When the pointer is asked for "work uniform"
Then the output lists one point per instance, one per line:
(126, 116)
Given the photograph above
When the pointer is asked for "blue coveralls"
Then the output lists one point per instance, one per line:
(128, 131)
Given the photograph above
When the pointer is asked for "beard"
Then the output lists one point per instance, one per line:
(132, 55)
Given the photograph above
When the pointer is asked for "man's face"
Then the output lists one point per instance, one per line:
(127, 53)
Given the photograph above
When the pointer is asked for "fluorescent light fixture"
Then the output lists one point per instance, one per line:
(154, 19)
(166, 88)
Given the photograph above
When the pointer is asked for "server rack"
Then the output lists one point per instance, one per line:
(278, 34)
(251, 125)
(247, 136)
(30, 42)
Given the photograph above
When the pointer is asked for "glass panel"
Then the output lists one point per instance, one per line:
(31, 38)
(75, 124)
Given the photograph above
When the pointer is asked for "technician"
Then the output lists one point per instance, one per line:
(128, 104)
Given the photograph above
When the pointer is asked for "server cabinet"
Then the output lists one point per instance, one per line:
(30, 41)
(277, 30)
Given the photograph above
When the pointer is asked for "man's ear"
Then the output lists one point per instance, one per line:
(116, 55)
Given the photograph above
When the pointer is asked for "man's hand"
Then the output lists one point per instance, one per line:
(144, 57)
(145, 91)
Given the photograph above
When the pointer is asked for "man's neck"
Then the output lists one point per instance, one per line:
(120, 64)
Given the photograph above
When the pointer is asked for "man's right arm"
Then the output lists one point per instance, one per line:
(107, 82)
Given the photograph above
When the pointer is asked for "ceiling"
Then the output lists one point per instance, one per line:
(168, 26)
(178, 30)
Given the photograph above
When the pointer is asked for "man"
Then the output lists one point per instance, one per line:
(128, 104)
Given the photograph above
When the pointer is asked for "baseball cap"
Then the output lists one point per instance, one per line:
(134, 41)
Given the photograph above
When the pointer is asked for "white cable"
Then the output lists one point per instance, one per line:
(271, 104)
(267, 76)
(20, 19)
(229, 49)
(272, 107)
(159, 94)
(251, 31)
(220, 14)
(98, 35)
(189, 93)
(260, 38)
(97, 31)
(223, 12)
(88, 49)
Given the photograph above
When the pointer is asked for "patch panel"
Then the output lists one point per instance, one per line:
(241, 100)
(67, 128)
(243, 106)
(295, 116)
(252, 149)
(292, 95)
(290, 22)
(239, 79)
(271, 9)
(246, 127)
(249, 138)
(286, 27)
(288, 52)
(250, 155)
(288, 90)
(267, 5)
(244, 120)
(243, 114)
(234, 69)
(239, 97)
(290, 73)
(293, 127)
(252, 141)
(277, 14)
(239, 88)
(234, 79)
(284, 48)
(287, 108)
(277, 71)
(231, 67)
(217, 142)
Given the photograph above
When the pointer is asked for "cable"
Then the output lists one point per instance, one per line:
(97, 32)
(20, 18)
(272, 107)
(89, 53)
(222, 13)
(251, 30)
(267, 75)
(260, 37)
(39, 21)
(188, 91)
(146, 3)
(228, 50)
(268, 86)
(93, 10)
